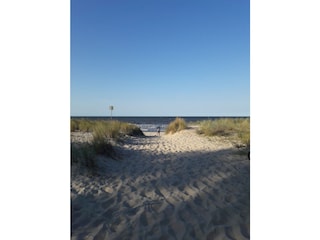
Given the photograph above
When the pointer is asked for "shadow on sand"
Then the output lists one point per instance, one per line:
(186, 195)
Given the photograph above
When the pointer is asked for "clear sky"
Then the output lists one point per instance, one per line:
(160, 57)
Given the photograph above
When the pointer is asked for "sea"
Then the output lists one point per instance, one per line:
(150, 124)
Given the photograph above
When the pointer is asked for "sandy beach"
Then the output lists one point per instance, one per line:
(179, 186)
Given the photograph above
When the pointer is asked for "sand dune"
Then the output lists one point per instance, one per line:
(180, 186)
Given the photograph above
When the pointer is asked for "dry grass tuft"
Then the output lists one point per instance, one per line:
(177, 125)
(103, 133)
(239, 127)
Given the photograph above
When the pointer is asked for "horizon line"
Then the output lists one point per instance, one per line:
(160, 116)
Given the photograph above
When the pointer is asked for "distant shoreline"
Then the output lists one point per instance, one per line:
(160, 116)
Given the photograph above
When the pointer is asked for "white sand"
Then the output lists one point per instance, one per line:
(180, 186)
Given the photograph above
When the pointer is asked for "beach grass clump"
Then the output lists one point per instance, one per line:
(83, 156)
(102, 146)
(175, 126)
(81, 125)
(115, 129)
(105, 135)
(85, 126)
(74, 125)
(219, 127)
(109, 129)
(243, 130)
(239, 127)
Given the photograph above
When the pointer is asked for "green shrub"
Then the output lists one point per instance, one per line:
(177, 125)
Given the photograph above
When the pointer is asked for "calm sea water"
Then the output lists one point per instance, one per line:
(150, 124)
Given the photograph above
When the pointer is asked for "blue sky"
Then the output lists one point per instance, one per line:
(284, 79)
(160, 58)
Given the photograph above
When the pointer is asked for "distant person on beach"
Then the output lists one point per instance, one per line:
(158, 130)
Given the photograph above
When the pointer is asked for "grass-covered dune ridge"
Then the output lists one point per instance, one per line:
(238, 128)
(103, 133)
(111, 129)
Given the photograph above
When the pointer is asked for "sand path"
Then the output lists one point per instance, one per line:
(180, 186)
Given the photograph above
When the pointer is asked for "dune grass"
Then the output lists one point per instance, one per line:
(175, 126)
(104, 132)
(239, 128)
(111, 129)
(81, 125)
(83, 155)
